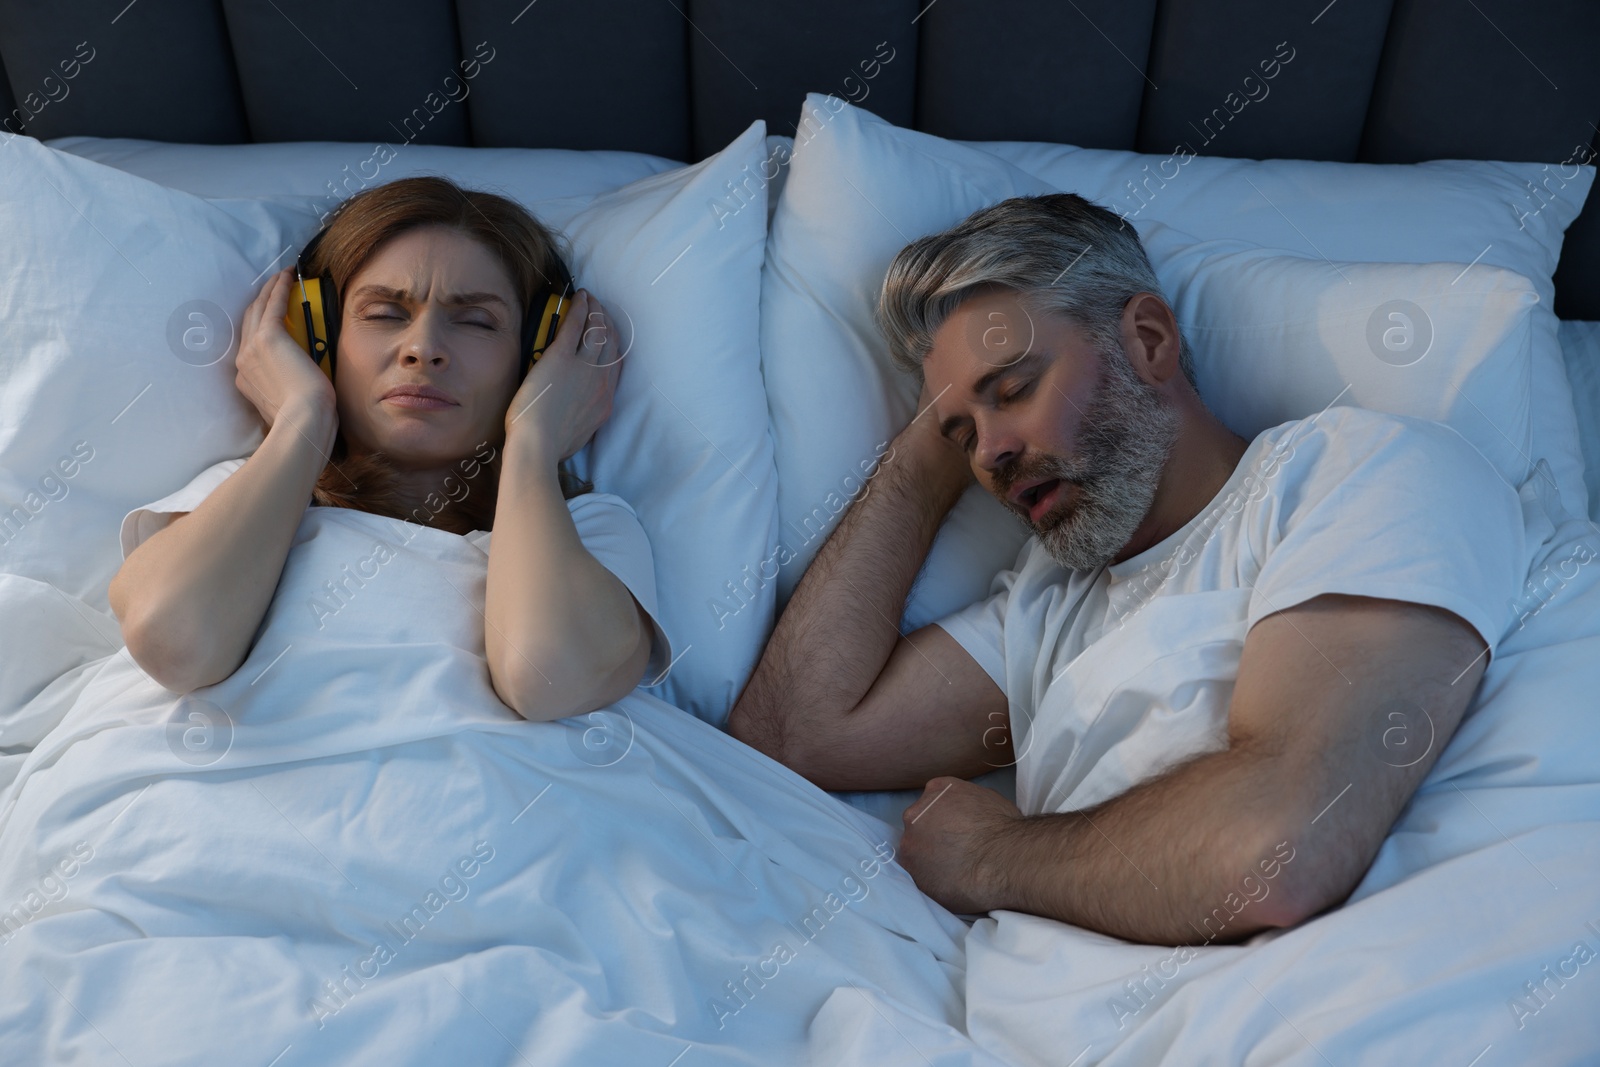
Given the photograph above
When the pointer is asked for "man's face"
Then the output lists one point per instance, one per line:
(1070, 440)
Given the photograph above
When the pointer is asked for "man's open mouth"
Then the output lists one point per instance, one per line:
(1031, 495)
(1037, 500)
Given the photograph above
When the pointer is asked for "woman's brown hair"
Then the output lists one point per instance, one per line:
(529, 254)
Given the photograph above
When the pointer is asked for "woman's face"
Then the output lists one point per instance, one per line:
(432, 308)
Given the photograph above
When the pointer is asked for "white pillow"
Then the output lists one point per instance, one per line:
(1278, 337)
(687, 443)
(91, 301)
(329, 172)
(110, 393)
(1511, 215)
(859, 189)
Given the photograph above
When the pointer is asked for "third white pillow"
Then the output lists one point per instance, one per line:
(1278, 337)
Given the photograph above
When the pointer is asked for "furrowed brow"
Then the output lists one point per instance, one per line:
(401, 296)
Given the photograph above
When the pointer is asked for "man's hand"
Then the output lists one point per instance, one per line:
(945, 848)
(943, 455)
(1341, 706)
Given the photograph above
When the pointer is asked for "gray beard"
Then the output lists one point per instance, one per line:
(1123, 442)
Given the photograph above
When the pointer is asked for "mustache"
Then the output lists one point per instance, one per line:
(1041, 467)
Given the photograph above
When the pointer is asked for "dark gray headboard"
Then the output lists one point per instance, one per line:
(1389, 81)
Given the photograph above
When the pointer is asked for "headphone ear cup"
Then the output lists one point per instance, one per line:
(540, 326)
(312, 319)
(543, 320)
(531, 347)
(331, 318)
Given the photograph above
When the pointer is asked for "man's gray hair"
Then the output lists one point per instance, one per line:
(1062, 253)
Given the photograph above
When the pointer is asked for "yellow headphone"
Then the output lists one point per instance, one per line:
(316, 327)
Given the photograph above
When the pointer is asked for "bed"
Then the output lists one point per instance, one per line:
(339, 855)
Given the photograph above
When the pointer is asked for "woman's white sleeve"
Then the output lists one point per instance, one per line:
(610, 530)
(139, 524)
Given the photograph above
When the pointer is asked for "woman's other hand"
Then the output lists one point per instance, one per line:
(568, 392)
(274, 373)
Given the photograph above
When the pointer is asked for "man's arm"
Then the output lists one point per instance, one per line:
(839, 694)
(1278, 827)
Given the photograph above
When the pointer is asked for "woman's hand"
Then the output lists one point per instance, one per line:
(274, 373)
(568, 392)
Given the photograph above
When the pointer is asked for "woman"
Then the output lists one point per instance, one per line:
(432, 281)
(346, 846)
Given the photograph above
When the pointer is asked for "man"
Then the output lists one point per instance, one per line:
(1222, 667)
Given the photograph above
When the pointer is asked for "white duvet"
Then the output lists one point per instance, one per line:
(351, 852)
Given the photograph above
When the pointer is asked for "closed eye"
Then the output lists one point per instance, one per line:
(465, 322)
(1020, 391)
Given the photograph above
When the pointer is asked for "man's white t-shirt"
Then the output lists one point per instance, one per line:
(607, 525)
(1116, 674)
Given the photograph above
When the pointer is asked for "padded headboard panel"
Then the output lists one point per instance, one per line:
(1390, 81)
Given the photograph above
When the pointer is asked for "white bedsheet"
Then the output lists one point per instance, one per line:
(357, 854)
(1491, 875)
